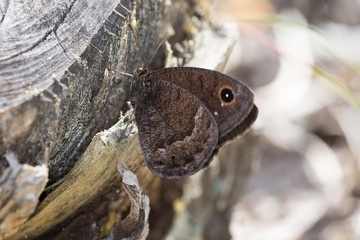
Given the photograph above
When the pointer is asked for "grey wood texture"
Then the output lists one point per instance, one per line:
(54, 86)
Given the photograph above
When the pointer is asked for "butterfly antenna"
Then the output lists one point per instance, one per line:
(110, 68)
(138, 44)
(157, 48)
(131, 24)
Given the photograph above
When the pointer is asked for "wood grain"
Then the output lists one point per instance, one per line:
(54, 86)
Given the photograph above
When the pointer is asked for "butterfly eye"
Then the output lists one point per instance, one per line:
(226, 95)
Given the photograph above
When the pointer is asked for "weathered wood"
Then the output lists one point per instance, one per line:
(94, 175)
(56, 93)
(54, 86)
(67, 104)
(20, 188)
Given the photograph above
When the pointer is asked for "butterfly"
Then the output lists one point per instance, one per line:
(185, 114)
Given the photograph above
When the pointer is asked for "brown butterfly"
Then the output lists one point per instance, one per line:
(185, 114)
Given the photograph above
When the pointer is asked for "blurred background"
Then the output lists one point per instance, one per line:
(302, 60)
(296, 174)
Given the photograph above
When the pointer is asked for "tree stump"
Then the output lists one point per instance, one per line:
(59, 91)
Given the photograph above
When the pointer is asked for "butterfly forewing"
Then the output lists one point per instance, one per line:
(228, 100)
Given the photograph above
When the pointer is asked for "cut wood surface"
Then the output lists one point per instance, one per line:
(54, 86)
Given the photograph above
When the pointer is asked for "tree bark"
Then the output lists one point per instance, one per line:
(57, 89)
(58, 92)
